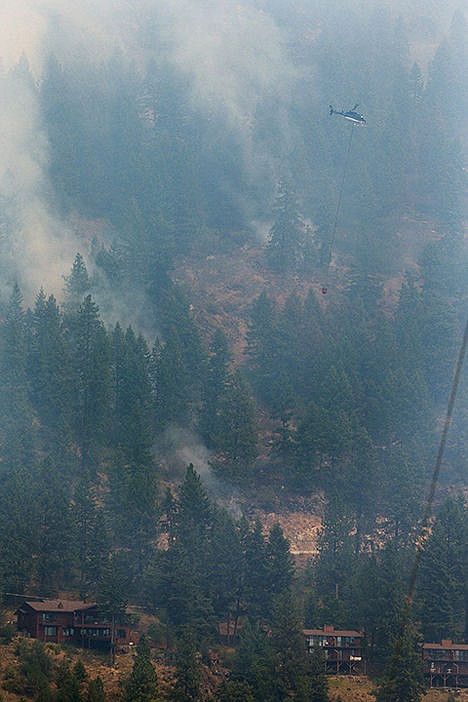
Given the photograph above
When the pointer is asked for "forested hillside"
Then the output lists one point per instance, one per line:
(256, 297)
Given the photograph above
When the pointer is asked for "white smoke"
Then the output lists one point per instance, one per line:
(182, 447)
(37, 247)
(231, 52)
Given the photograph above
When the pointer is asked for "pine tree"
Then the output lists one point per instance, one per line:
(113, 587)
(254, 664)
(77, 285)
(214, 389)
(188, 670)
(289, 349)
(236, 442)
(68, 685)
(172, 384)
(54, 533)
(181, 362)
(142, 685)
(281, 561)
(36, 668)
(439, 314)
(257, 573)
(16, 417)
(287, 235)
(293, 669)
(179, 585)
(79, 671)
(19, 527)
(224, 567)
(132, 397)
(133, 504)
(96, 691)
(90, 535)
(402, 492)
(261, 346)
(336, 560)
(49, 370)
(194, 514)
(312, 442)
(318, 680)
(232, 691)
(91, 367)
(183, 571)
(375, 595)
(441, 596)
(403, 681)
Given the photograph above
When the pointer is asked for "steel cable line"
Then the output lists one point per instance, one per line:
(424, 530)
(405, 625)
(338, 206)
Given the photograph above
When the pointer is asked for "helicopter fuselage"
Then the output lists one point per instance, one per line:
(350, 115)
(353, 117)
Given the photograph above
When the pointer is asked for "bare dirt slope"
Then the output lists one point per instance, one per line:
(222, 288)
(344, 688)
(361, 689)
(96, 666)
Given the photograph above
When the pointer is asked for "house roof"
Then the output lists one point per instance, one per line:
(446, 645)
(334, 632)
(59, 605)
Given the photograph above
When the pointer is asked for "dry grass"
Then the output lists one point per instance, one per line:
(356, 688)
(351, 688)
(96, 666)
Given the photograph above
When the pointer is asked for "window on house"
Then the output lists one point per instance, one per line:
(437, 654)
(68, 631)
(50, 630)
(460, 655)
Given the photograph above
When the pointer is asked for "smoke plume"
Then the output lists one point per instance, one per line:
(235, 56)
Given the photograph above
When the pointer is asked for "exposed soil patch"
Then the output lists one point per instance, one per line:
(223, 289)
(300, 529)
(356, 688)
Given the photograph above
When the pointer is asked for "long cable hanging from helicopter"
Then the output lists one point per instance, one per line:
(355, 118)
(425, 524)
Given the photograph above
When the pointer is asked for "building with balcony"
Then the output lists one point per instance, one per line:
(71, 621)
(342, 649)
(446, 664)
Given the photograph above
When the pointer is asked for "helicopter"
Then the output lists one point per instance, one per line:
(351, 115)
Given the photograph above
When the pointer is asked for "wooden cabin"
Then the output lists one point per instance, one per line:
(446, 664)
(70, 621)
(342, 649)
